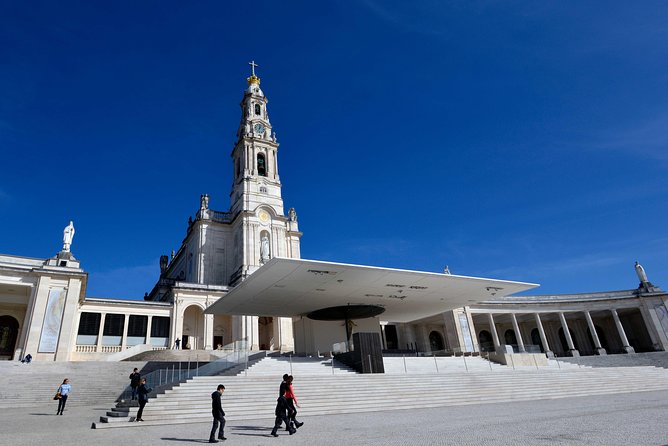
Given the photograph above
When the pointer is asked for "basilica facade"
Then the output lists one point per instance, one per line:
(44, 309)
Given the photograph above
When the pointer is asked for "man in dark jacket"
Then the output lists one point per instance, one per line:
(218, 415)
(283, 412)
(142, 393)
(135, 378)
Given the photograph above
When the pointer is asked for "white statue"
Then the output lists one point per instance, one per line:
(204, 201)
(642, 275)
(68, 235)
(264, 249)
(292, 215)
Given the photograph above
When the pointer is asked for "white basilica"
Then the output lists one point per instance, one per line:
(237, 282)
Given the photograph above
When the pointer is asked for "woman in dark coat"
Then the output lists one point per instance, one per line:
(142, 396)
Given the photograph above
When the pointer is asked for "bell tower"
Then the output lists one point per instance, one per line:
(256, 180)
(260, 227)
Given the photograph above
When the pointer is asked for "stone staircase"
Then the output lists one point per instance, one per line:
(35, 384)
(295, 365)
(252, 395)
(176, 356)
(656, 359)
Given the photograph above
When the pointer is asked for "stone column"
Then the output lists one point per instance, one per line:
(382, 336)
(208, 332)
(20, 351)
(495, 335)
(100, 333)
(409, 336)
(543, 338)
(253, 327)
(424, 338)
(147, 338)
(41, 297)
(592, 329)
(124, 338)
(567, 333)
(520, 343)
(625, 342)
(655, 331)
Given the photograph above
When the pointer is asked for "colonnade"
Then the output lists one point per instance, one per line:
(572, 351)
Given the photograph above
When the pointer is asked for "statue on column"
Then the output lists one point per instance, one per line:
(264, 249)
(640, 271)
(68, 235)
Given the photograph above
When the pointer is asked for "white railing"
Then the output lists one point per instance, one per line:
(86, 348)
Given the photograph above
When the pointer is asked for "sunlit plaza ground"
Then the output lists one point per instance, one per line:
(623, 419)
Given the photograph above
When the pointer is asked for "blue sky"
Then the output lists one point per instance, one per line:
(515, 140)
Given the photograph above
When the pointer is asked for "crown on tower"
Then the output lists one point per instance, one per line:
(253, 80)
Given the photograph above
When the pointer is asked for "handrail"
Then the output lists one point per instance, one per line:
(165, 378)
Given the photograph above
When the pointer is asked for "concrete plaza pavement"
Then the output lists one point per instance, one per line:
(621, 419)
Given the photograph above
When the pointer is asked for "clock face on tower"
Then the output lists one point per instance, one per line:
(264, 217)
(259, 128)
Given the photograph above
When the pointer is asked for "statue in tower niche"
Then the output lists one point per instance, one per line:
(292, 215)
(264, 249)
(642, 275)
(68, 236)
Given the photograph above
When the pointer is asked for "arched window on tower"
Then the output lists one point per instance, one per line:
(258, 109)
(261, 165)
(238, 170)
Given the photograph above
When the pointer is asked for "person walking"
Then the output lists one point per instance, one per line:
(135, 378)
(177, 343)
(282, 412)
(64, 391)
(142, 397)
(218, 415)
(292, 402)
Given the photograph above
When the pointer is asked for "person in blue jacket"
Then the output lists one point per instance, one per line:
(64, 390)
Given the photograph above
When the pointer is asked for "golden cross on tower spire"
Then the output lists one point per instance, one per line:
(253, 79)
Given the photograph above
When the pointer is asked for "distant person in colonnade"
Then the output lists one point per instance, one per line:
(177, 343)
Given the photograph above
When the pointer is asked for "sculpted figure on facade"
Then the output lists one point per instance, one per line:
(642, 275)
(292, 215)
(204, 201)
(68, 236)
(264, 249)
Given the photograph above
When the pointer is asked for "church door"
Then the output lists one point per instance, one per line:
(9, 330)
(266, 333)
(436, 341)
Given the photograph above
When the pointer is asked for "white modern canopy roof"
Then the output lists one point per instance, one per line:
(295, 287)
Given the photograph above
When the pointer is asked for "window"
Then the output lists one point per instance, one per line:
(263, 190)
(137, 326)
(160, 327)
(113, 325)
(261, 165)
(89, 324)
(238, 163)
(258, 109)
